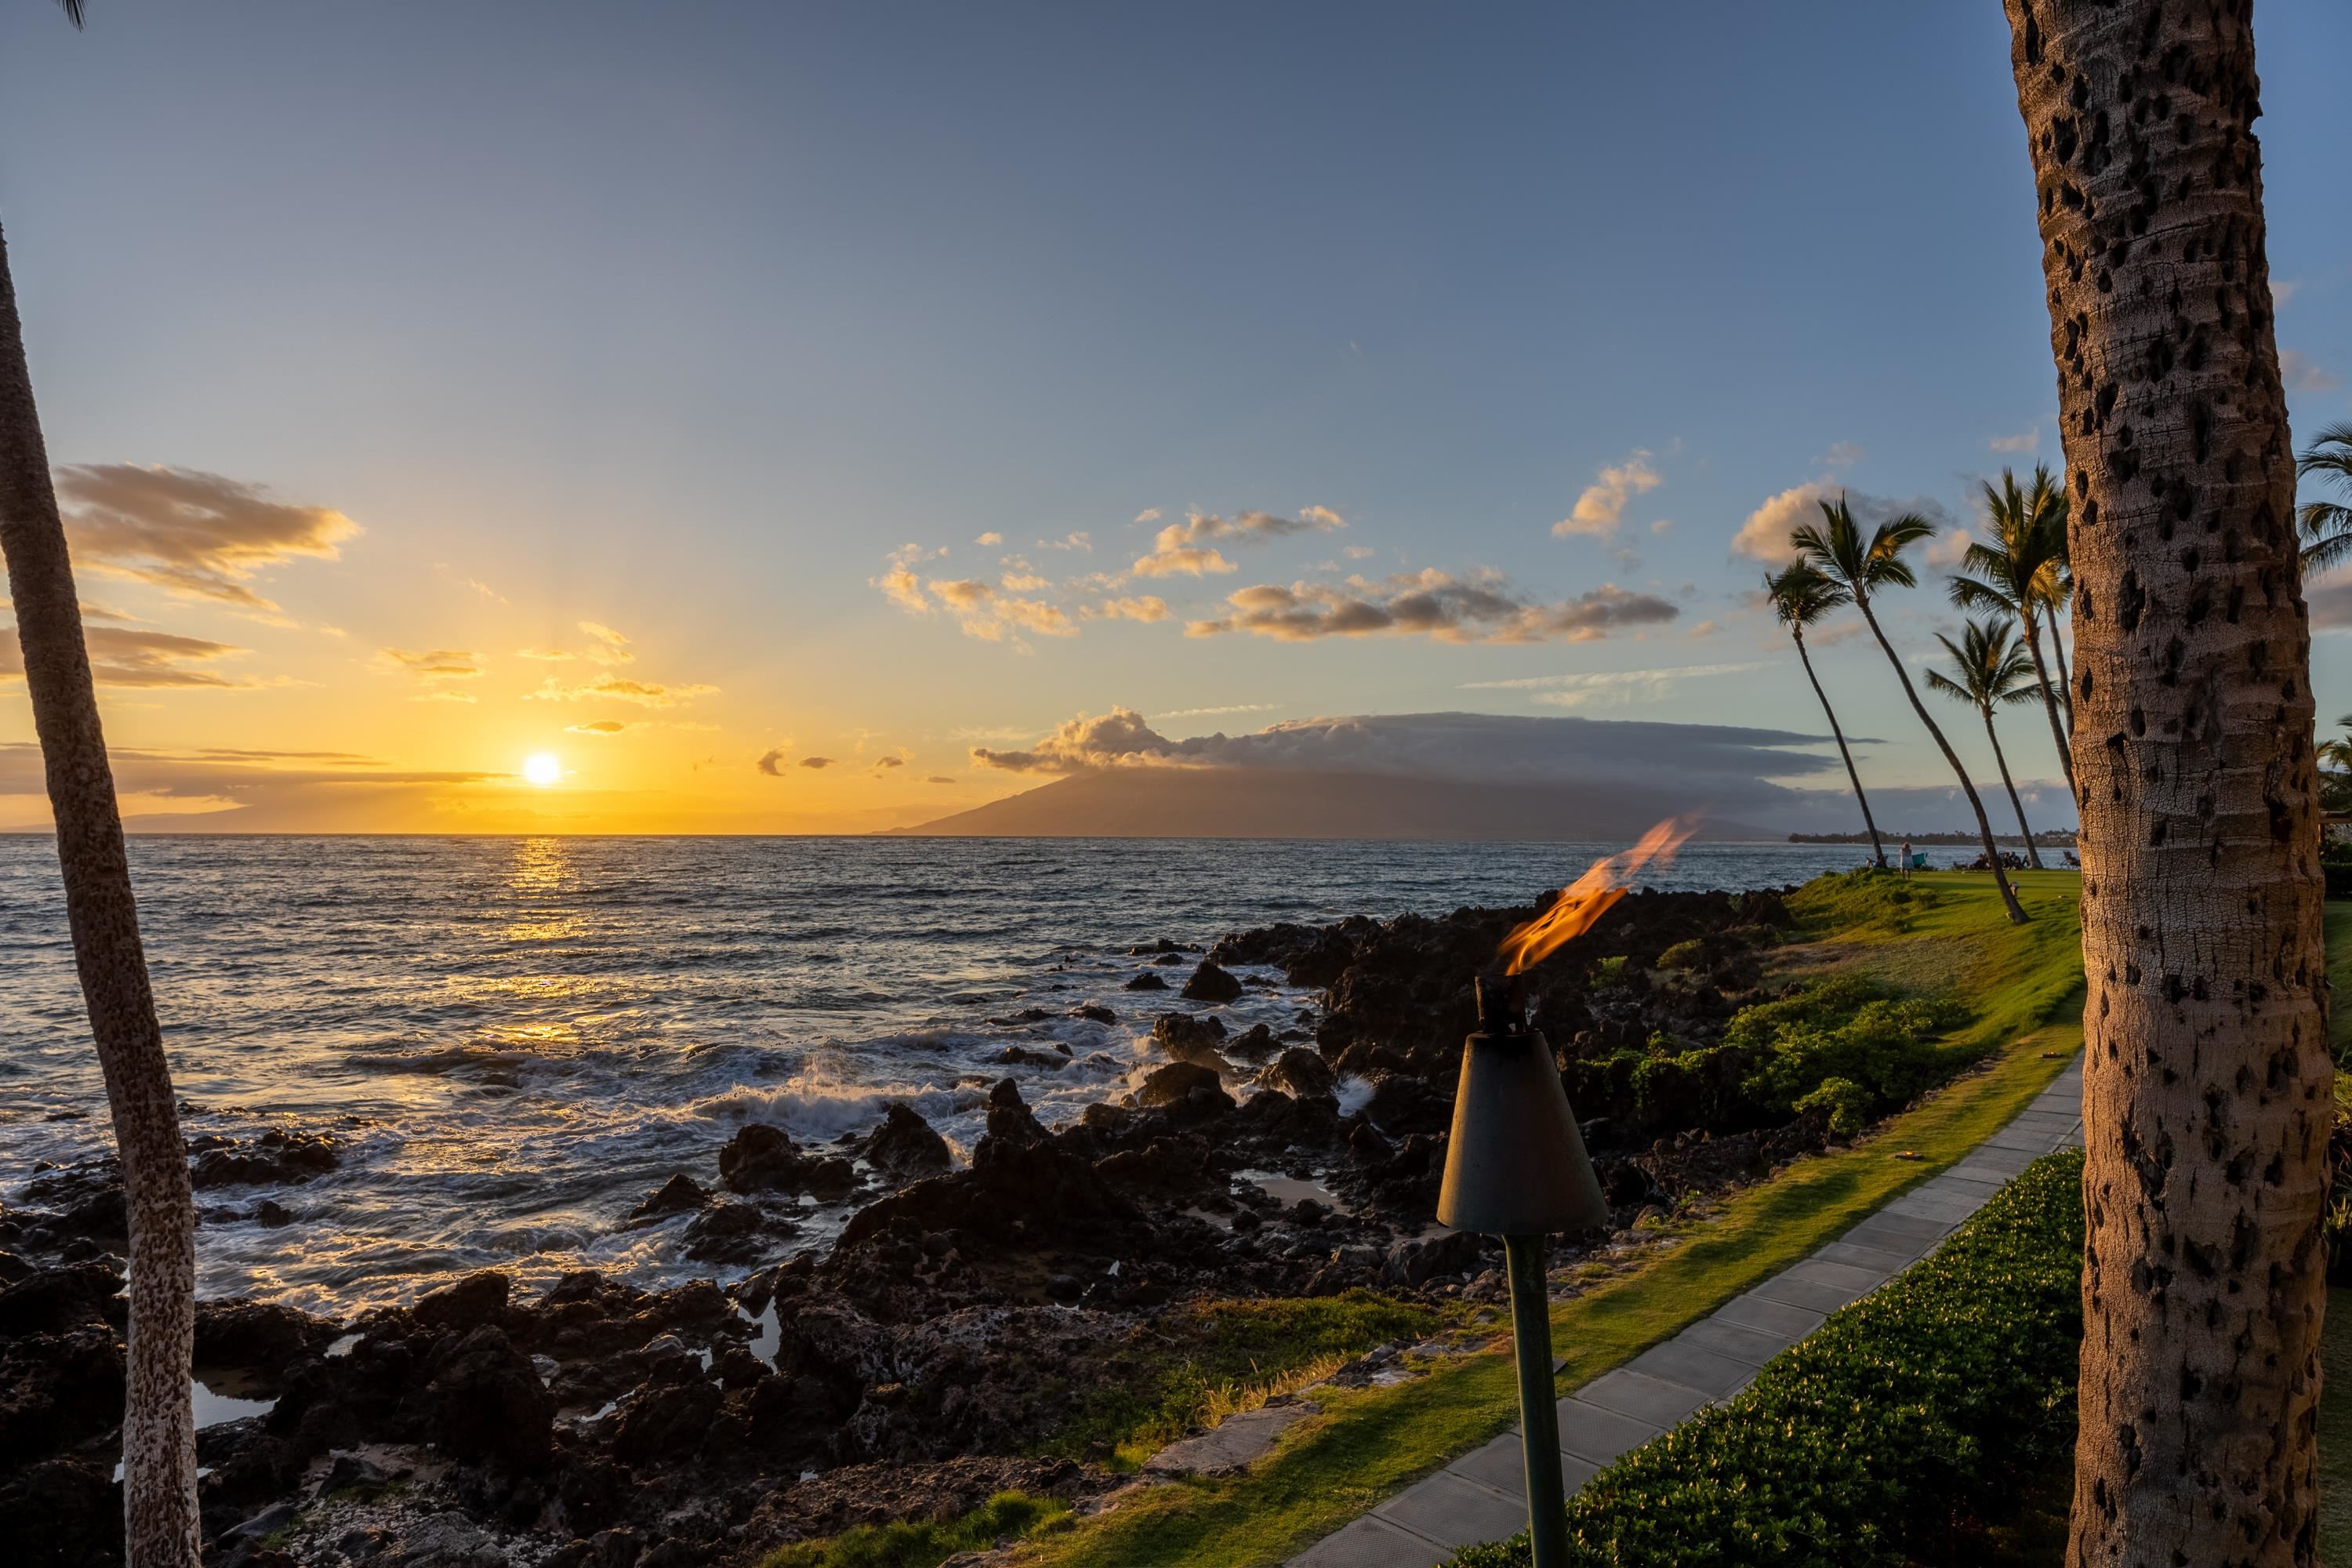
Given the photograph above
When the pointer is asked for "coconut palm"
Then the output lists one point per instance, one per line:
(2207, 1080)
(2019, 569)
(1989, 671)
(1836, 547)
(159, 1447)
(2326, 525)
(1801, 597)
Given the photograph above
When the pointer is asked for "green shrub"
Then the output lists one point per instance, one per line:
(1847, 1102)
(1691, 954)
(1880, 1441)
(1846, 1028)
(928, 1543)
(1856, 903)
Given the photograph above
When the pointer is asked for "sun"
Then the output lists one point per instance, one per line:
(542, 768)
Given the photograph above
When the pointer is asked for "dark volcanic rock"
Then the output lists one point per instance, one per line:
(1025, 1057)
(484, 1400)
(1190, 1037)
(1015, 1194)
(278, 1156)
(1010, 1117)
(905, 1147)
(1094, 1013)
(1210, 982)
(62, 1513)
(258, 1339)
(1301, 1074)
(736, 1233)
(680, 1194)
(57, 1391)
(760, 1158)
(1147, 981)
(479, 1298)
(1169, 1085)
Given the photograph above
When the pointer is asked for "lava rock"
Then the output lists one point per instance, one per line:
(277, 1156)
(1147, 981)
(760, 1158)
(484, 1400)
(1010, 1118)
(479, 1298)
(1302, 1075)
(680, 1194)
(1094, 1013)
(259, 1339)
(905, 1147)
(734, 1233)
(1210, 982)
(1170, 1084)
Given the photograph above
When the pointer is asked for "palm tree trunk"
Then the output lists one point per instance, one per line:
(2049, 702)
(2032, 856)
(2065, 680)
(159, 1440)
(1984, 823)
(2207, 1085)
(1877, 850)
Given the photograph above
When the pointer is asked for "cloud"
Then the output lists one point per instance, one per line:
(120, 656)
(1663, 527)
(900, 584)
(2300, 374)
(882, 763)
(432, 664)
(816, 762)
(1946, 550)
(190, 533)
(1608, 689)
(939, 778)
(252, 789)
(1601, 508)
(609, 647)
(1227, 708)
(597, 727)
(1080, 540)
(1704, 629)
(1765, 535)
(772, 762)
(2331, 606)
(1488, 747)
(2024, 442)
(1188, 549)
(991, 537)
(619, 688)
(1433, 604)
(1149, 514)
(1023, 582)
(1143, 607)
(1841, 455)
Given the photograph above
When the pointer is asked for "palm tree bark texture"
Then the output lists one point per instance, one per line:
(159, 1440)
(2207, 1082)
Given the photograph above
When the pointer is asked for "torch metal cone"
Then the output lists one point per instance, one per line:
(1515, 1164)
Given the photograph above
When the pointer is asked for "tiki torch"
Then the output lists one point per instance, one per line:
(1515, 1167)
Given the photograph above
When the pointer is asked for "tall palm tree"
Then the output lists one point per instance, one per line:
(2326, 525)
(1989, 671)
(159, 1442)
(1801, 597)
(2207, 1082)
(1836, 547)
(2018, 569)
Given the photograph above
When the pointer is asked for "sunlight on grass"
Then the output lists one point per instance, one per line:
(2021, 986)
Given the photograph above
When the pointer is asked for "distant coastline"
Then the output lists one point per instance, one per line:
(2059, 838)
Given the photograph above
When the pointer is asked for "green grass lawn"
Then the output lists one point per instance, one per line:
(2021, 986)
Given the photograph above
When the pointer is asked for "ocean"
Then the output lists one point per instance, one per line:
(517, 1040)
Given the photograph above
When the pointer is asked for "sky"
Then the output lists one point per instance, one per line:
(765, 412)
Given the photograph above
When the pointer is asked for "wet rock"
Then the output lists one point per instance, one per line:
(1190, 1037)
(1415, 1261)
(680, 1194)
(258, 1339)
(1010, 1118)
(273, 1215)
(58, 1390)
(1256, 1042)
(1025, 1057)
(1094, 1013)
(447, 1541)
(1147, 981)
(730, 1232)
(484, 1400)
(906, 1148)
(56, 1300)
(277, 1157)
(1026, 1194)
(479, 1298)
(1402, 1104)
(666, 1422)
(1157, 947)
(1301, 1074)
(1170, 1084)
(1211, 983)
(760, 1158)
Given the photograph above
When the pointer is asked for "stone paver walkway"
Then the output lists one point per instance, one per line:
(1483, 1495)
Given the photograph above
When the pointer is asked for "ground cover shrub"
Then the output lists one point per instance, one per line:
(927, 1544)
(1846, 1028)
(1867, 902)
(1209, 1361)
(1886, 1439)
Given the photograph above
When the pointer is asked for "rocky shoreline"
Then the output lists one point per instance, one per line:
(932, 1354)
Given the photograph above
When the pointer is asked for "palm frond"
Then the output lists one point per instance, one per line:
(1939, 681)
(72, 9)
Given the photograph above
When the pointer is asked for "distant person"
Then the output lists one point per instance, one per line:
(1906, 858)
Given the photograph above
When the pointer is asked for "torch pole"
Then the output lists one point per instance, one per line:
(1539, 1413)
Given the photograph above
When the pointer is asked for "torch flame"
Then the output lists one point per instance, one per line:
(1589, 897)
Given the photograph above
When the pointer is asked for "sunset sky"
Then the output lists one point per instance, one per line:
(759, 410)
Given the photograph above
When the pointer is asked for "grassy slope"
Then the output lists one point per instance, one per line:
(2018, 984)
